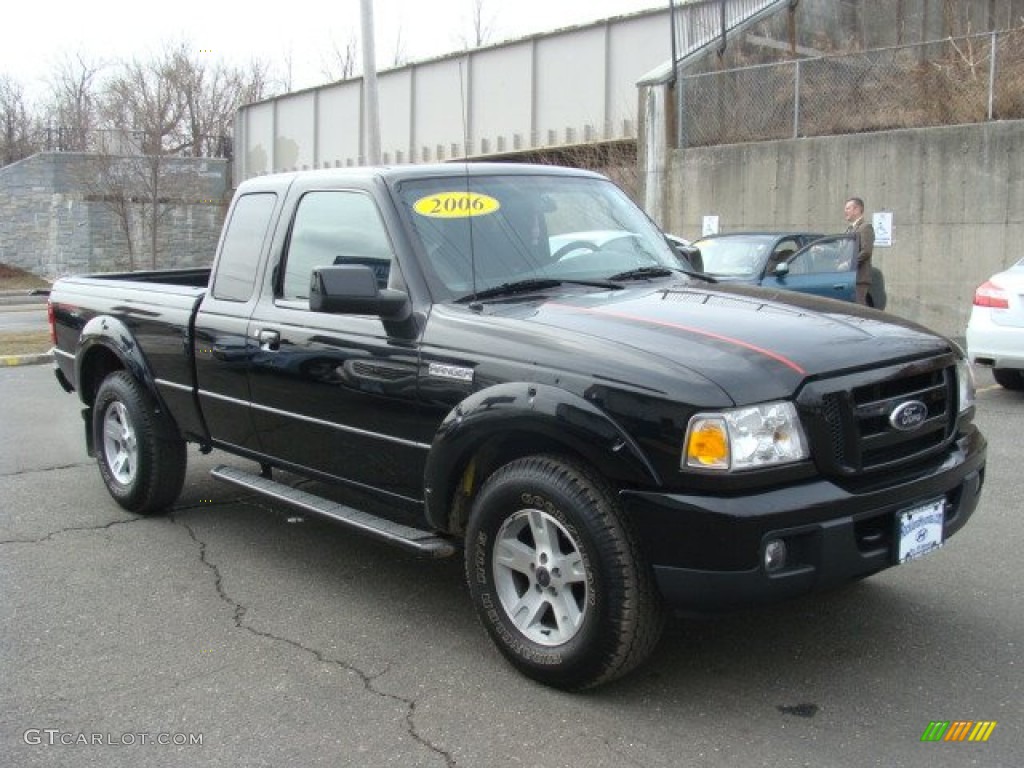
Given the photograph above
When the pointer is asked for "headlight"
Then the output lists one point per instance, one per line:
(745, 438)
(965, 384)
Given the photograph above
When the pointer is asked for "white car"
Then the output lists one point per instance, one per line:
(995, 332)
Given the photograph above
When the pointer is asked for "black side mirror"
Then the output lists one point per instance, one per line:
(692, 255)
(351, 289)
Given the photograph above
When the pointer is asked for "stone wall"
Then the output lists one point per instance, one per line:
(58, 213)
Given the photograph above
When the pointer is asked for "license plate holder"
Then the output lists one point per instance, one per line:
(919, 530)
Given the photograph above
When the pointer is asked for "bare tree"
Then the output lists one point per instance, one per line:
(18, 127)
(342, 61)
(74, 101)
(256, 82)
(144, 101)
(111, 179)
(210, 94)
(150, 113)
(399, 58)
(287, 71)
(481, 24)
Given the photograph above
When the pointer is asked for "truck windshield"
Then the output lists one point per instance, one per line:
(479, 232)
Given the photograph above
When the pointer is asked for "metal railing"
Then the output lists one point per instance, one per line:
(970, 79)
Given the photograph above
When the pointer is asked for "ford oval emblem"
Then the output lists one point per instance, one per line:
(908, 416)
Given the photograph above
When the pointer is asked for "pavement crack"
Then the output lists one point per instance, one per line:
(38, 470)
(368, 680)
(72, 529)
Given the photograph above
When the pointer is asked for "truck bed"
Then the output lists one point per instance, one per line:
(186, 278)
(130, 312)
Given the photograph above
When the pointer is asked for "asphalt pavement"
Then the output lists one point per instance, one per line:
(21, 312)
(22, 318)
(277, 640)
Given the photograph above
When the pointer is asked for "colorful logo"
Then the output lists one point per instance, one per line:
(958, 730)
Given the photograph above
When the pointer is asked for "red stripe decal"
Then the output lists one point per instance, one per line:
(717, 336)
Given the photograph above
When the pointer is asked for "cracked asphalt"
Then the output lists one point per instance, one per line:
(283, 641)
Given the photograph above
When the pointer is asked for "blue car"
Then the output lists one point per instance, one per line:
(827, 267)
(795, 261)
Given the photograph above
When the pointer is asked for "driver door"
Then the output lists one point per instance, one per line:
(826, 267)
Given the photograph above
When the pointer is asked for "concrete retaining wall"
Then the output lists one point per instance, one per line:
(54, 222)
(956, 196)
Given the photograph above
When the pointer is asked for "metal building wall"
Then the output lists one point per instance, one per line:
(574, 85)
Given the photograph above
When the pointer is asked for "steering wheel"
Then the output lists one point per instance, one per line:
(575, 245)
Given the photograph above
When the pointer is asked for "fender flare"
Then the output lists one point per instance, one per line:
(111, 334)
(521, 408)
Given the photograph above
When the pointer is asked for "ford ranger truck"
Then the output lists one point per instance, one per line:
(512, 364)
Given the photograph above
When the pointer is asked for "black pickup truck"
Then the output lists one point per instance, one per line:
(512, 362)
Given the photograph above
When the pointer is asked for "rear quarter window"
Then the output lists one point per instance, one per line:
(244, 235)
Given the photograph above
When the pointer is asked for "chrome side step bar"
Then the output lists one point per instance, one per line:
(413, 539)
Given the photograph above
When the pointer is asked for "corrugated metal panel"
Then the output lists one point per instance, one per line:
(570, 86)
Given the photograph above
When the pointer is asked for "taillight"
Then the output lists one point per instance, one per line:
(991, 295)
(52, 321)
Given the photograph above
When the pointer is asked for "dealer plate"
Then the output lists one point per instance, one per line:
(919, 530)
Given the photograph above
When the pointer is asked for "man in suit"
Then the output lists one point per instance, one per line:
(853, 212)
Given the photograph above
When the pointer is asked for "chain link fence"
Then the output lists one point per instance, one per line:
(970, 79)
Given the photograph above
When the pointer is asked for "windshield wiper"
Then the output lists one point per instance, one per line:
(699, 275)
(643, 272)
(533, 284)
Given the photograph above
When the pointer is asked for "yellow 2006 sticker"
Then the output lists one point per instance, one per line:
(455, 205)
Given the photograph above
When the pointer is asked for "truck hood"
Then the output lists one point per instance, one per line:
(754, 344)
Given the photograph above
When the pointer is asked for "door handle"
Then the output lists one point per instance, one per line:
(270, 341)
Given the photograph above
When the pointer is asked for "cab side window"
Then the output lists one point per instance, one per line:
(334, 227)
(242, 246)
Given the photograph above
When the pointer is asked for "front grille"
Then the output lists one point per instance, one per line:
(851, 429)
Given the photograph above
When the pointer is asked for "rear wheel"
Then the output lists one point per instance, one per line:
(876, 292)
(556, 575)
(1010, 378)
(140, 454)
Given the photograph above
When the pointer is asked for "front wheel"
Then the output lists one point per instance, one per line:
(1009, 378)
(556, 575)
(140, 454)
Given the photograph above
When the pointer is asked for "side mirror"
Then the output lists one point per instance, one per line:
(781, 269)
(351, 289)
(692, 255)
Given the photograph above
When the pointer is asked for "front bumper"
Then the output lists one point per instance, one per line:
(707, 551)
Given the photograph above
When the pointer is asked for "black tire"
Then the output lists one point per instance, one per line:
(876, 293)
(140, 453)
(1009, 378)
(613, 613)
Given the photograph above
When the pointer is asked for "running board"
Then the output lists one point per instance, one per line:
(413, 539)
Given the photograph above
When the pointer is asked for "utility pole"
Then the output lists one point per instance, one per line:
(371, 109)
